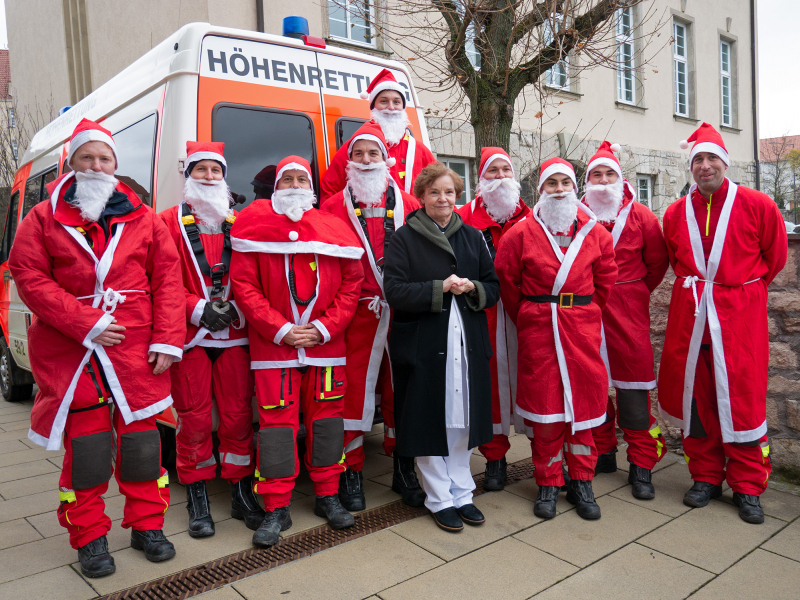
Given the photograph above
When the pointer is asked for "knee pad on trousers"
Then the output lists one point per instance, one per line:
(328, 441)
(140, 456)
(696, 428)
(633, 409)
(276, 452)
(91, 460)
(749, 444)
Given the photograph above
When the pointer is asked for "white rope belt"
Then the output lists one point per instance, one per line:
(111, 298)
(375, 304)
(690, 281)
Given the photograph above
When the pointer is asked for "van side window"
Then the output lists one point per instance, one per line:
(10, 229)
(35, 190)
(256, 140)
(136, 147)
(345, 128)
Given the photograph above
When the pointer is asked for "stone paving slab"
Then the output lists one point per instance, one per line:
(14, 533)
(671, 484)
(25, 470)
(760, 575)
(786, 543)
(59, 584)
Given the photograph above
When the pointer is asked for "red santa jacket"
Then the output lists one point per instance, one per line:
(728, 294)
(642, 260)
(561, 375)
(262, 243)
(407, 152)
(75, 295)
(503, 338)
(196, 284)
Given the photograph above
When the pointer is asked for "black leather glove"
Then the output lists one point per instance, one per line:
(215, 316)
(234, 314)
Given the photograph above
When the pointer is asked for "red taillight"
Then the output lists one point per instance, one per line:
(316, 42)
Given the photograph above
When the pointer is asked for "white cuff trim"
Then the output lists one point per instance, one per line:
(167, 349)
(99, 327)
(197, 313)
(326, 336)
(278, 339)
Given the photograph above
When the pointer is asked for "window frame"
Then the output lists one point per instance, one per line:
(447, 161)
(12, 118)
(337, 129)
(678, 59)
(561, 68)
(726, 76)
(345, 5)
(15, 149)
(648, 179)
(42, 190)
(625, 73)
(152, 154)
(13, 205)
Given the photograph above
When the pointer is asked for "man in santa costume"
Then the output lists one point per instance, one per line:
(374, 206)
(216, 357)
(641, 257)
(726, 244)
(556, 272)
(387, 105)
(297, 276)
(98, 269)
(496, 208)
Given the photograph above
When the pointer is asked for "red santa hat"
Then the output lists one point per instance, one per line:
(556, 165)
(706, 139)
(197, 151)
(489, 154)
(605, 156)
(89, 131)
(294, 163)
(384, 81)
(371, 131)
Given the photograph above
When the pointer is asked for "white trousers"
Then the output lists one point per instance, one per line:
(447, 480)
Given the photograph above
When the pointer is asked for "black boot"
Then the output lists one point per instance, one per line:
(244, 504)
(606, 463)
(641, 484)
(351, 490)
(329, 507)
(156, 547)
(269, 532)
(749, 508)
(701, 494)
(405, 482)
(545, 505)
(200, 522)
(567, 479)
(581, 495)
(95, 559)
(496, 473)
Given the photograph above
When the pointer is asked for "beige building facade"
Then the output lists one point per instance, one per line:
(698, 68)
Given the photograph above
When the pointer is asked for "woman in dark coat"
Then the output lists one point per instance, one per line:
(438, 278)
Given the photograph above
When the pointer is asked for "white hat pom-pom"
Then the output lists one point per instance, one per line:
(616, 147)
(391, 161)
(684, 145)
(364, 95)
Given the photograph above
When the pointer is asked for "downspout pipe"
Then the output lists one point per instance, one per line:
(754, 85)
(260, 16)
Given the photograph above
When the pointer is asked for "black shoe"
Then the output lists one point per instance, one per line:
(641, 485)
(448, 520)
(268, 533)
(701, 493)
(749, 508)
(351, 490)
(567, 479)
(200, 522)
(405, 482)
(95, 559)
(496, 473)
(156, 547)
(606, 463)
(244, 504)
(581, 495)
(330, 508)
(545, 505)
(470, 514)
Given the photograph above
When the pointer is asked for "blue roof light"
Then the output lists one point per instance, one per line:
(295, 27)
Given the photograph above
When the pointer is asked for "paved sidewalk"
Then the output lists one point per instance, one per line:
(657, 550)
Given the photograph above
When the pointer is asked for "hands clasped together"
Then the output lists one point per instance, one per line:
(112, 335)
(303, 336)
(457, 285)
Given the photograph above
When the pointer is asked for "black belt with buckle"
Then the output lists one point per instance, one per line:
(565, 300)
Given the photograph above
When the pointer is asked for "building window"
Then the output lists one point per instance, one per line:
(469, 43)
(461, 167)
(644, 190)
(625, 83)
(725, 75)
(14, 150)
(558, 75)
(351, 20)
(12, 120)
(680, 60)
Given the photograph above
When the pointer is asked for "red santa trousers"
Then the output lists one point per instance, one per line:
(281, 393)
(229, 379)
(748, 465)
(88, 465)
(384, 397)
(551, 442)
(645, 446)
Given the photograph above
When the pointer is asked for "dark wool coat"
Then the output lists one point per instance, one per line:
(419, 258)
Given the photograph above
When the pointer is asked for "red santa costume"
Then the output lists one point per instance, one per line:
(78, 276)
(725, 250)
(501, 329)
(287, 273)
(409, 154)
(641, 257)
(554, 288)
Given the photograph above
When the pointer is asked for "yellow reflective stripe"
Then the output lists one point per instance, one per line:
(328, 385)
(708, 217)
(402, 173)
(258, 476)
(343, 458)
(655, 433)
(765, 451)
(188, 219)
(163, 481)
(686, 458)
(68, 496)
(313, 265)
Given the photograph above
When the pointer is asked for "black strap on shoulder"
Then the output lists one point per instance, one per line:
(388, 223)
(487, 235)
(217, 272)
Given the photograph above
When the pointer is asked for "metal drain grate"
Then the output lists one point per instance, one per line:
(214, 574)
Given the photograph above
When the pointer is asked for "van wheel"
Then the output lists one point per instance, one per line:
(11, 392)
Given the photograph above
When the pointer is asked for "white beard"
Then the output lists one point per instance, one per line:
(500, 197)
(293, 202)
(605, 200)
(211, 204)
(558, 213)
(392, 122)
(368, 182)
(93, 192)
